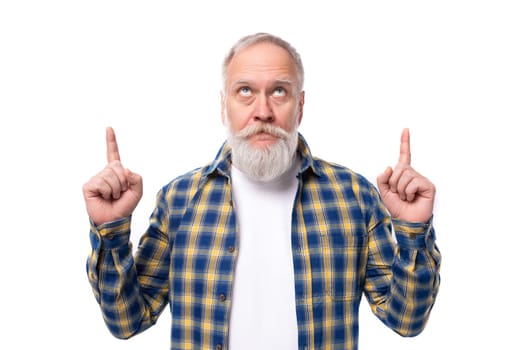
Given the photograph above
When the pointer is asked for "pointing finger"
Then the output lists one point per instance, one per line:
(404, 151)
(111, 145)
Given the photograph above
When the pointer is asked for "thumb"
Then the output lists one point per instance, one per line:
(383, 178)
(134, 180)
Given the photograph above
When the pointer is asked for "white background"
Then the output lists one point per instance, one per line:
(452, 71)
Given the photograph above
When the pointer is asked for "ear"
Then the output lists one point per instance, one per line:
(301, 105)
(223, 106)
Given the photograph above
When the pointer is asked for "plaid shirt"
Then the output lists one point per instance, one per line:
(342, 248)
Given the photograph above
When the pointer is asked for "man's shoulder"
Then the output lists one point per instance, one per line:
(341, 179)
(338, 171)
(187, 179)
(188, 183)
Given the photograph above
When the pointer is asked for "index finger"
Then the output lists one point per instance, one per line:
(111, 145)
(404, 150)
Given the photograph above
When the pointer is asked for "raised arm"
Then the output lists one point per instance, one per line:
(131, 291)
(402, 289)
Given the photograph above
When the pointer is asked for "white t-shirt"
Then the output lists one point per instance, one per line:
(263, 312)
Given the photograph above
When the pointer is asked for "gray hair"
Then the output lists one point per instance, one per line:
(257, 38)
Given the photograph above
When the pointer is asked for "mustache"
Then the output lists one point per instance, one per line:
(255, 129)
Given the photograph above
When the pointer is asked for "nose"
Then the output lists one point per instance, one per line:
(263, 111)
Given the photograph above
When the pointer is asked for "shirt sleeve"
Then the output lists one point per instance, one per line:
(131, 291)
(403, 279)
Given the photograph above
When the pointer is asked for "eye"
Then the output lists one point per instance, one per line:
(279, 92)
(245, 91)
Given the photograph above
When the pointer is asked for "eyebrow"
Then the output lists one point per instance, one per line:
(284, 81)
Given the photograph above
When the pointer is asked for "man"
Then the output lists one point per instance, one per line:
(266, 247)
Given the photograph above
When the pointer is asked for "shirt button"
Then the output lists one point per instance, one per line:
(222, 297)
(218, 347)
(231, 249)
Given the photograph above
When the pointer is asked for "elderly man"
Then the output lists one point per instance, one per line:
(266, 247)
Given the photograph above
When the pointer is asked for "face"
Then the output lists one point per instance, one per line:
(261, 87)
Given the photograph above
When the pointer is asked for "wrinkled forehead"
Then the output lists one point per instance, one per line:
(262, 61)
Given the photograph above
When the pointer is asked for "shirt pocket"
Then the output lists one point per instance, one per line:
(345, 263)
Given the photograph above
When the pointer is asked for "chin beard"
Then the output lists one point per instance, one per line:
(262, 163)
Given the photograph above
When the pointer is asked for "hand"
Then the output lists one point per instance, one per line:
(115, 191)
(407, 195)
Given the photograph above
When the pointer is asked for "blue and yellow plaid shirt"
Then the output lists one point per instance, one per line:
(342, 248)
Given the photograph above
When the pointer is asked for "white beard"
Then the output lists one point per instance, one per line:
(262, 163)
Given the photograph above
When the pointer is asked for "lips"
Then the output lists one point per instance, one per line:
(264, 136)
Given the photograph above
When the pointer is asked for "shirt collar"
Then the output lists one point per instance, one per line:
(222, 162)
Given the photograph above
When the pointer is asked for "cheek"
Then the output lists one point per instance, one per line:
(236, 115)
(287, 117)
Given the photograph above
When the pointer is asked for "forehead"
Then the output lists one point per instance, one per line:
(262, 60)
